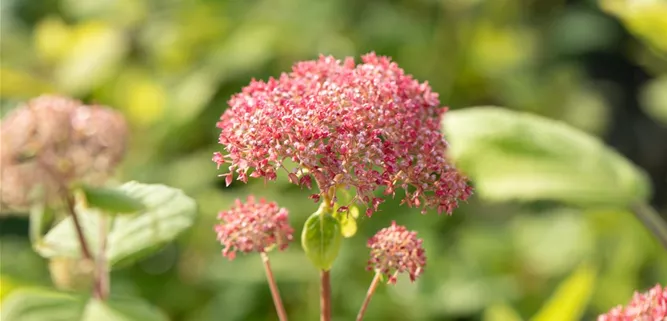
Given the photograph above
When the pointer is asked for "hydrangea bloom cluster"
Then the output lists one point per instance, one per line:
(253, 226)
(648, 306)
(355, 126)
(55, 140)
(396, 250)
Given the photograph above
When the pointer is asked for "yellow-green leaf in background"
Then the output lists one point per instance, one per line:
(511, 48)
(7, 285)
(52, 39)
(84, 55)
(21, 85)
(653, 98)
(513, 155)
(501, 312)
(647, 19)
(139, 95)
(569, 301)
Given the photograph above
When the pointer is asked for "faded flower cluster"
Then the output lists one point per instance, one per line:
(362, 126)
(396, 250)
(52, 141)
(253, 226)
(648, 306)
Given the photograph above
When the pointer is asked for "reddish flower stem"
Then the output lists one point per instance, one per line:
(369, 295)
(325, 296)
(280, 309)
(86, 254)
(325, 276)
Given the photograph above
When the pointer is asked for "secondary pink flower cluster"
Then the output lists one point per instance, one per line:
(648, 306)
(355, 126)
(396, 250)
(253, 227)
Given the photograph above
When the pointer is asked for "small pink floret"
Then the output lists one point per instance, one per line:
(396, 250)
(647, 306)
(253, 226)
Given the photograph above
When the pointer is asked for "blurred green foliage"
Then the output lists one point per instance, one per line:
(520, 156)
(170, 66)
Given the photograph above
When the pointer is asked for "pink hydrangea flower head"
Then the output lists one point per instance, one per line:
(648, 306)
(362, 126)
(396, 250)
(253, 226)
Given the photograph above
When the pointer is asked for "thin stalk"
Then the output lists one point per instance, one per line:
(280, 309)
(86, 254)
(369, 295)
(101, 290)
(325, 296)
(652, 220)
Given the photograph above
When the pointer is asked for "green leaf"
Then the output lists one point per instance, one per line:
(111, 200)
(40, 305)
(653, 99)
(519, 156)
(321, 238)
(168, 213)
(121, 309)
(569, 301)
(41, 217)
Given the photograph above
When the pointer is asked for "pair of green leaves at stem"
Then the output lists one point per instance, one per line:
(140, 219)
(323, 233)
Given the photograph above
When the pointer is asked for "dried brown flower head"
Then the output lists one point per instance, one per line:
(52, 141)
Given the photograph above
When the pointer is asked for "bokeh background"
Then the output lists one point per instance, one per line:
(171, 65)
